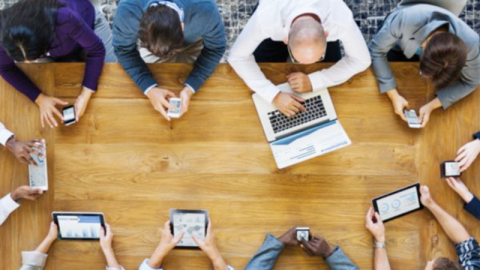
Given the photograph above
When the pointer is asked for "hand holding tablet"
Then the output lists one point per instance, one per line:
(398, 203)
(78, 225)
(191, 223)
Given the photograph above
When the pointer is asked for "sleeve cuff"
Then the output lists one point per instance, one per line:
(476, 136)
(317, 80)
(387, 86)
(472, 205)
(194, 82)
(115, 268)
(9, 204)
(145, 266)
(149, 88)
(190, 87)
(445, 99)
(5, 134)
(34, 258)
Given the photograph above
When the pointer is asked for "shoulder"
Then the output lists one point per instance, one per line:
(66, 16)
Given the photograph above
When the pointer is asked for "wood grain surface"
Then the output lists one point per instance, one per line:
(125, 160)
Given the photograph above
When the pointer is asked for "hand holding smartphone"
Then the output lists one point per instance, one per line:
(412, 119)
(69, 116)
(177, 108)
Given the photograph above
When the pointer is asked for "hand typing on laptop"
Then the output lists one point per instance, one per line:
(288, 104)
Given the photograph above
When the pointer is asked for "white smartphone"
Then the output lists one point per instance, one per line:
(177, 107)
(412, 119)
(38, 175)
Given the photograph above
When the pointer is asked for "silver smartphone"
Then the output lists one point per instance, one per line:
(177, 107)
(412, 119)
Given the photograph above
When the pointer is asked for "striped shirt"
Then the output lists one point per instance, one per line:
(469, 254)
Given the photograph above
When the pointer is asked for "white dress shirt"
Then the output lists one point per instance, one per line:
(273, 19)
(7, 206)
(5, 134)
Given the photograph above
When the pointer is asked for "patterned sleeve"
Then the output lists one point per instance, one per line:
(469, 254)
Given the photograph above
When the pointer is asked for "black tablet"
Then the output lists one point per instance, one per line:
(79, 225)
(398, 203)
(192, 222)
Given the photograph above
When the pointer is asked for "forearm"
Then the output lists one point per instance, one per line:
(204, 66)
(45, 245)
(455, 231)
(15, 77)
(157, 257)
(218, 262)
(435, 104)
(111, 259)
(381, 259)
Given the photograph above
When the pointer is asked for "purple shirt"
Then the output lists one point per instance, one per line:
(73, 34)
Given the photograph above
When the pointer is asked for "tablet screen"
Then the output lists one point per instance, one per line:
(191, 224)
(398, 203)
(79, 226)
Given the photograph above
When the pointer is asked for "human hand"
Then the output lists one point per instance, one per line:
(299, 82)
(424, 115)
(159, 98)
(399, 103)
(458, 186)
(288, 104)
(185, 96)
(26, 192)
(22, 149)
(209, 244)
(467, 154)
(425, 197)
(375, 225)
(317, 246)
(53, 232)
(82, 102)
(290, 237)
(168, 241)
(48, 108)
(106, 238)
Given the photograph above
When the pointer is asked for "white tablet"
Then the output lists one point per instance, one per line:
(79, 225)
(38, 175)
(398, 203)
(192, 222)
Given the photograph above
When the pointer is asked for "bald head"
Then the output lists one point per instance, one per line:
(307, 40)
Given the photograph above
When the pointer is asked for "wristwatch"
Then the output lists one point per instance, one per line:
(379, 245)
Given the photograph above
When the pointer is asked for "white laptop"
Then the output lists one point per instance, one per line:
(306, 135)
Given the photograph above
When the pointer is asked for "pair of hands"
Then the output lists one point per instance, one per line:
(160, 97)
(317, 246)
(375, 225)
(290, 104)
(207, 245)
(48, 109)
(22, 149)
(400, 104)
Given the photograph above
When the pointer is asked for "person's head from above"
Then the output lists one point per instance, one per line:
(307, 40)
(441, 264)
(161, 30)
(28, 29)
(443, 58)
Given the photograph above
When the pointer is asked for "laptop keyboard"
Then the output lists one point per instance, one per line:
(315, 110)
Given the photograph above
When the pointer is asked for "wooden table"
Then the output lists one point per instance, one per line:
(124, 160)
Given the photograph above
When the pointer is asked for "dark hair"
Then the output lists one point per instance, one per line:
(161, 30)
(444, 264)
(443, 59)
(28, 28)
